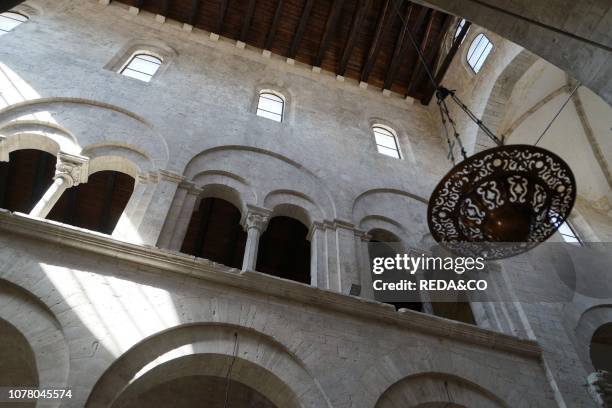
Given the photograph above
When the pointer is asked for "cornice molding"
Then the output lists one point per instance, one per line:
(174, 262)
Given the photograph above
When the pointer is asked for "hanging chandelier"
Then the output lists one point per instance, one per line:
(502, 201)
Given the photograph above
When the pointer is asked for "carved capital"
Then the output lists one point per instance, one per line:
(74, 169)
(257, 220)
(256, 217)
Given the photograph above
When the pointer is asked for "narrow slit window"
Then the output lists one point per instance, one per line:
(479, 51)
(386, 141)
(270, 106)
(142, 67)
(9, 20)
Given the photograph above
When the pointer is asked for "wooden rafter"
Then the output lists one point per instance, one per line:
(418, 67)
(246, 26)
(221, 17)
(364, 6)
(274, 25)
(405, 47)
(330, 28)
(398, 51)
(193, 15)
(381, 28)
(299, 33)
(165, 8)
(447, 62)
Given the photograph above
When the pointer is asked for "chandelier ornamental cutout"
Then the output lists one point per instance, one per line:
(502, 201)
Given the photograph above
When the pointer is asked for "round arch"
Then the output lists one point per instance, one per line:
(429, 390)
(260, 355)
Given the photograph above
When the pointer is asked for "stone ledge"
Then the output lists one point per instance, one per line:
(72, 237)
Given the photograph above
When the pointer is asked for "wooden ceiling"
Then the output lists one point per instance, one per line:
(365, 40)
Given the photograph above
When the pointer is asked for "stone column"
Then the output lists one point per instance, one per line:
(318, 256)
(156, 210)
(255, 222)
(363, 253)
(348, 265)
(170, 224)
(182, 223)
(70, 171)
(127, 226)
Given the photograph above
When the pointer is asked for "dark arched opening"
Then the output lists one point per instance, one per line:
(97, 204)
(284, 250)
(200, 391)
(25, 178)
(601, 348)
(17, 362)
(384, 244)
(215, 233)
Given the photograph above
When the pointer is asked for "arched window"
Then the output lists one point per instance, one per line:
(386, 141)
(460, 26)
(141, 66)
(25, 179)
(97, 204)
(270, 106)
(9, 20)
(284, 250)
(215, 233)
(479, 50)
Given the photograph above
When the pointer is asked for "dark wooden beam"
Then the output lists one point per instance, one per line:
(246, 26)
(360, 13)
(330, 29)
(222, 12)
(299, 33)
(6, 5)
(140, 3)
(447, 62)
(195, 6)
(403, 44)
(418, 67)
(381, 28)
(274, 25)
(165, 8)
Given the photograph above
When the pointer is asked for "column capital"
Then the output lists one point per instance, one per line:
(72, 168)
(257, 218)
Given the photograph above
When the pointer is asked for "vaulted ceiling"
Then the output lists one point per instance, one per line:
(365, 40)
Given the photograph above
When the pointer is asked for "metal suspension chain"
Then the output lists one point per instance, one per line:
(442, 93)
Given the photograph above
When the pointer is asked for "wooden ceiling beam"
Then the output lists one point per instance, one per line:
(274, 25)
(381, 28)
(441, 73)
(299, 33)
(360, 13)
(330, 28)
(193, 15)
(221, 18)
(418, 67)
(246, 26)
(165, 8)
(400, 43)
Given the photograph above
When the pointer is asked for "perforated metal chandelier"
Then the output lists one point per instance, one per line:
(502, 201)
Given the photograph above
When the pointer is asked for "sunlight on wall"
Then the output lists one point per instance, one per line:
(118, 312)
